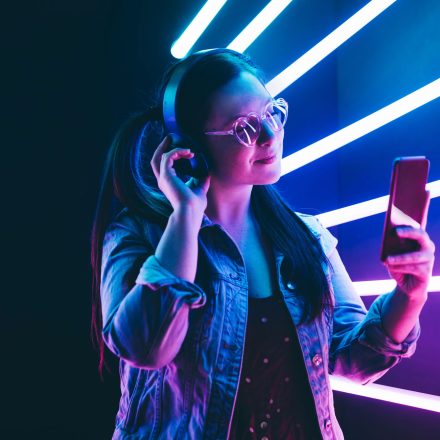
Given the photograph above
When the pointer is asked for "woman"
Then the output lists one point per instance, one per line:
(227, 309)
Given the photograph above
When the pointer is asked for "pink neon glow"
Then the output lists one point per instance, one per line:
(387, 394)
(377, 287)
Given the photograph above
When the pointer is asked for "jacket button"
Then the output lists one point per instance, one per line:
(317, 360)
(263, 425)
(233, 275)
(290, 285)
(328, 424)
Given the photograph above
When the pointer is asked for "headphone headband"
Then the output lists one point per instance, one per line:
(172, 88)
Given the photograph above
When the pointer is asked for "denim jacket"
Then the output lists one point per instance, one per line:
(181, 344)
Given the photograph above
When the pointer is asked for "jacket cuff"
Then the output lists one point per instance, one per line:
(374, 335)
(156, 276)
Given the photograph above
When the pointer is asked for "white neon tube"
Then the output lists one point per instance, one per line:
(257, 26)
(367, 208)
(354, 212)
(378, 287)
(327, 45)
(362, 127)
(196, 28)
(388, 394)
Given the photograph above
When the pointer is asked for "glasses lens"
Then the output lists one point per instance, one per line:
(247, 129)
(276, 115)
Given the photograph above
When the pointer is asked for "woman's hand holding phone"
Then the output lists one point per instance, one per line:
(407, 251)
(413, 270)
(181, 194)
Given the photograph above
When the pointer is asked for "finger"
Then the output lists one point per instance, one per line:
(206, 183)
(175, 152)
(418, 270)
(425, 216)
(200, 185)
(412, 257)
(417, 234)
(168, 159)
(414, 271)
(155, 160)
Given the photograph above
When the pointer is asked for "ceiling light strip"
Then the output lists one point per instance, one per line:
(362, 127)
(192, 33)
(257, 26)
(326, 46)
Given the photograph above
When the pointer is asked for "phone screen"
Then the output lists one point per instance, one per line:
(407, 205)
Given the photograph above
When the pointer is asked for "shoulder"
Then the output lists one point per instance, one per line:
(125, 220)
(311, 222)
(327, 239)
(127, 224)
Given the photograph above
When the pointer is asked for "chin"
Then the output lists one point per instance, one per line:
(271, 175)
(269, 179)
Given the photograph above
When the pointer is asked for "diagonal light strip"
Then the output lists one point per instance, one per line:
(366, 209)
(378, 287)
(362, 127)
(341, 34)
(415, 399)
(257, 26)
(196, 28)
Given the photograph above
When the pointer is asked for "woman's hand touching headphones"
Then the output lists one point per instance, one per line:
(180, 194)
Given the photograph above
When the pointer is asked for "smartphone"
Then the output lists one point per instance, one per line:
(196, 166)
(408, 204)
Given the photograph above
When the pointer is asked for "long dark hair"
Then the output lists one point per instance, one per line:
(128, 182)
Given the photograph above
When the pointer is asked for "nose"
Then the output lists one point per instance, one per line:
(267, 135)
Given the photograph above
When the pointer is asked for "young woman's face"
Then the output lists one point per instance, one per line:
(232, 161)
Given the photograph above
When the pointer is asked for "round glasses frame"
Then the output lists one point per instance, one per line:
(279, 103)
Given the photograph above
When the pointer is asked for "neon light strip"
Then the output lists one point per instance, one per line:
(327, 45)
(362, 127)
(378, 287)
(388, 394)
(365, 209)
(196, 28)
(257, 26)
(354, 212)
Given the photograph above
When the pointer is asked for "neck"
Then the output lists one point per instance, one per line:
(229, 205)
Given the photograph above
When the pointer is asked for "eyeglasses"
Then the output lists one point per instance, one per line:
(246, 129)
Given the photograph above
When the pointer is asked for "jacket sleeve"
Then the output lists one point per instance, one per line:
(145, 307)
(360, 348)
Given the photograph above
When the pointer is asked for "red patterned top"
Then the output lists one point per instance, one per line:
(274, 398)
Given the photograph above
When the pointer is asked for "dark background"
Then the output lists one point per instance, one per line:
(73, 71)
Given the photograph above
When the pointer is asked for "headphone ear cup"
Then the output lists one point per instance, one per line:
(196, 166)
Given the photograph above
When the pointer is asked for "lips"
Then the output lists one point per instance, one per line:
(270, 156)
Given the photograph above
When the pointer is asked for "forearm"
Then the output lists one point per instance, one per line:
(361, 349)
(177, 250)
(400, 314)
(145, 306)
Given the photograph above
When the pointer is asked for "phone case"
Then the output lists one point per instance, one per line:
(408, 204)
